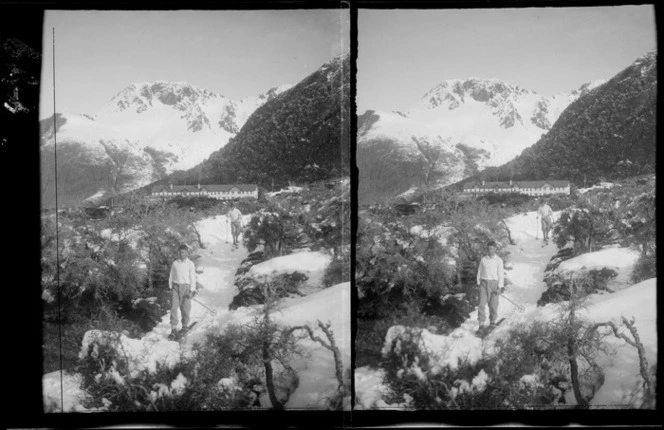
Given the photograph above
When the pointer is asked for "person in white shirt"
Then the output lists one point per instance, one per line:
(490, 280)
(181, 282)
(546, 214)
(235, 217)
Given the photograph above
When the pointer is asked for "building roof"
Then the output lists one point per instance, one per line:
(204, 187)
(515, 184)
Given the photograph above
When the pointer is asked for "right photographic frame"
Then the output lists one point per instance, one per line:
(506, 231)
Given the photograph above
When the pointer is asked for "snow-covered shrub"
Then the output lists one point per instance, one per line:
(200, 382)
(560, 287)
(145, 312)
(61, 344)
(576, 340)
(563, 254)
(277, 227)
(624, 215)
(474, 224)
(106, 267)
(93, 271)
(341, 400)
(198, 203)
(492, 382)
(249, 294)
(534, 366)
(584, 224)
(641, 398)
(234, 354)
(638, 220)
(96, 283)
(515, 200)
(338, 270)
(316, 218)
(252, 291)
(453, 309)
(395, 266)
(249, 206)
(420, 270)
(559, 202)
(645, 268)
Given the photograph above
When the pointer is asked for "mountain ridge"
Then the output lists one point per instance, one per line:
(145, 132)
(608, 134)
(301, 135)
(457, 128)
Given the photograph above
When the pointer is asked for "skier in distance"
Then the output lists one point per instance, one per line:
(545, 212)
(235, 217)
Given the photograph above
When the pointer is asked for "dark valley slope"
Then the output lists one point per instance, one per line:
(608, 134)
(301, 135)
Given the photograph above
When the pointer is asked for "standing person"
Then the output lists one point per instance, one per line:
(181, 282)
(490, 280)
(546, 214)
(235, 217)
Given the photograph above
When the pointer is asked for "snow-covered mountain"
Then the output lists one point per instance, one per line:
(457, 128)
(493, 115)
(301, 136)
(610, 133)
(143, 133)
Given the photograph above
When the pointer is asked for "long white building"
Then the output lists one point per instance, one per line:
(531, 188)
(221, 192)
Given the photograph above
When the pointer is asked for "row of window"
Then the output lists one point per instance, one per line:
(524, 189)
(518, 190)
(216, 193)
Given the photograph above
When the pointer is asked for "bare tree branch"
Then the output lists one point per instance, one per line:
(330, 346)
(636, 343)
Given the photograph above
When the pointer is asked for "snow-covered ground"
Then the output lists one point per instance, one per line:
(217, 266)
(312, 264)
(620, 260)
(528, 259)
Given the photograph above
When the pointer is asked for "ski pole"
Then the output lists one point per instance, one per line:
(227, 230)
(519, 307)
(537, 227)
(212, 311)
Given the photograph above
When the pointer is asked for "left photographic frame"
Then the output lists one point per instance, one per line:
(195, 210)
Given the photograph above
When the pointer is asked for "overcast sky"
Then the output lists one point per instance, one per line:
(404, 53)
(233, 53)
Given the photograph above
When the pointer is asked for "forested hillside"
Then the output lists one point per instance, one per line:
(608, 134)
(301, 135)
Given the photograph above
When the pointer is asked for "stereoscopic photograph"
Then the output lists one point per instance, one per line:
(506, 254)
(354, 208)
(195, 210)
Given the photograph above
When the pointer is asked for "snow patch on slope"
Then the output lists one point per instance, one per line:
(318, 381)
(312, 264)
(622, 260)
(622, 371)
